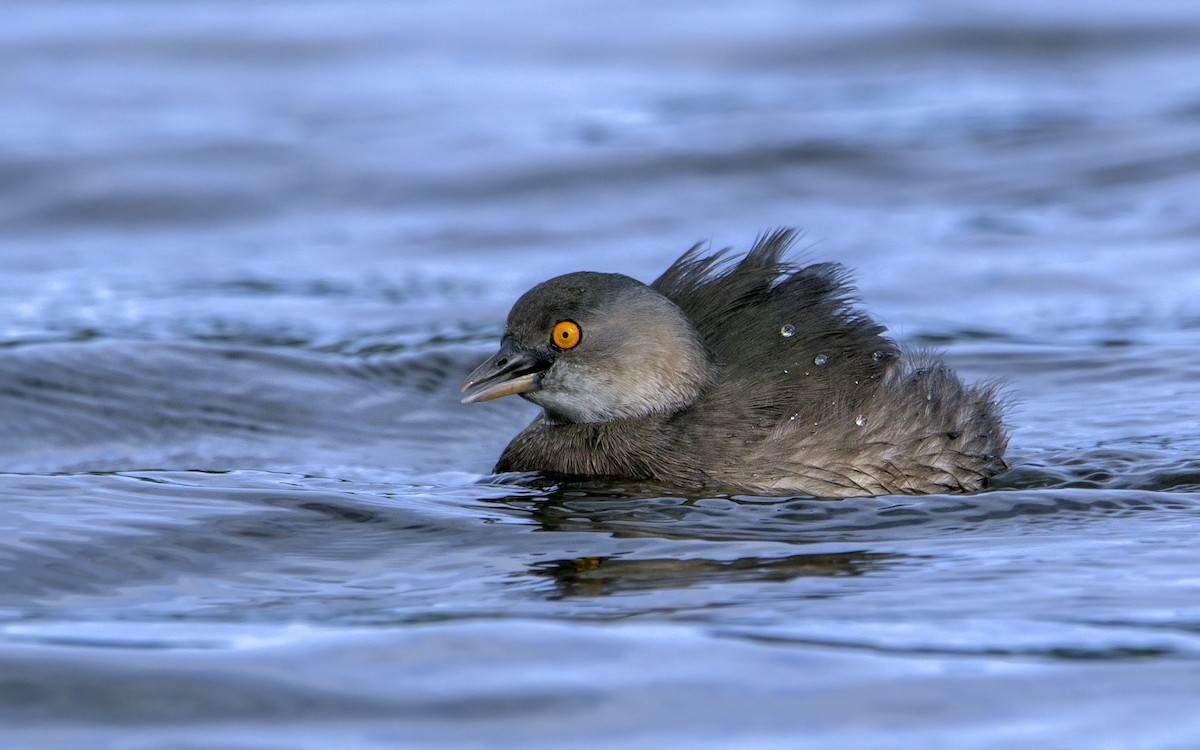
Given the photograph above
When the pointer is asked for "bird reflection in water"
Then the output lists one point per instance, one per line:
(601, 576)
(648, 511)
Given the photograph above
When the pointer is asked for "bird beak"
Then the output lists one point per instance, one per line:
(511, 370)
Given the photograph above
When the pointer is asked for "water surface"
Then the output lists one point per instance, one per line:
(251, 252)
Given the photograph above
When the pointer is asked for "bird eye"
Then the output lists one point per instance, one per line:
(566, 335)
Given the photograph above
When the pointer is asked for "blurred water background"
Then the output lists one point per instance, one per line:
(249, 252)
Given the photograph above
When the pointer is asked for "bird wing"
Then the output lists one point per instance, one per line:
(789, 340)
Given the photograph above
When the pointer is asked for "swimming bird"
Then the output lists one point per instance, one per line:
(752, 375)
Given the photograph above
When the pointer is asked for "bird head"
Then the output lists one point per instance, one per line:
(595, 347)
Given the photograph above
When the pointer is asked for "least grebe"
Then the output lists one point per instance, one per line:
(753, 375)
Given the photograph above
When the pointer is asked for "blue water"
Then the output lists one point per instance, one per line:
(250, 252)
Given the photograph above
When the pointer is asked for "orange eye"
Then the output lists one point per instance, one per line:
(566, 335)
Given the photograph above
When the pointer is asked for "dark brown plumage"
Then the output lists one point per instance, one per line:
(755, 375)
